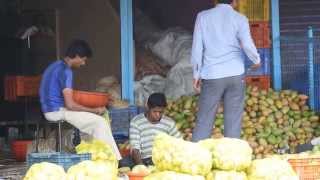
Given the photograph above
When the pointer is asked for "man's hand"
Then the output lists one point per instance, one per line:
(136, 156)
(197, 85)
(100, 110)
(255, 66)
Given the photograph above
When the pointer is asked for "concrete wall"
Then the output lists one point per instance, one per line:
(95, 21)
(171, 13)
(98, 22)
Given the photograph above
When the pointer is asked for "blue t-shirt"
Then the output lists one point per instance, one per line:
(55, 78)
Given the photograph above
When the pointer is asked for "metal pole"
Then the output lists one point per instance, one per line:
(127, 58)
(277, 79)
(60, 136)
(311, 68)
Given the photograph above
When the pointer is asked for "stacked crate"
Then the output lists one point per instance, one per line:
(258, 13)
(120, 120)
(21, 86)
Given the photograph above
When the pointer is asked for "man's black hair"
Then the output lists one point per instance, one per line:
(157, 100)
(80, 48)
(225, 1)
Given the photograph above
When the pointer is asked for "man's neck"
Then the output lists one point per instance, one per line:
(148, 118)
(67, 61)
(225, 4)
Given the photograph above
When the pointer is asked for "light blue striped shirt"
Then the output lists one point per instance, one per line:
(142, 133)
(220, 37)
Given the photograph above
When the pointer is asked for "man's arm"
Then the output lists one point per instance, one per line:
(66, 82)
(134, 139)
(197, 53)
(73, 106)
(247, 43)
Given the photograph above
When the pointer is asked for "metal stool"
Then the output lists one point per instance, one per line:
(58, 138)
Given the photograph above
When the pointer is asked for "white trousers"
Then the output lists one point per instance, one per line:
(87, 122)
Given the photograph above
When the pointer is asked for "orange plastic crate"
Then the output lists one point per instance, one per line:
(9, 91)
(262, 82)
(260, 32)
(306, 168)
(255, 10)
(28, 85)
(21, 86)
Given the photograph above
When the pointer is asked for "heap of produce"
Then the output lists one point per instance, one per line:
(92, 170)
(229, 153)
(177, 155)
(230, 159)
(171, 175)
(272, 120)
(222, 175)
(100, 151)
(45, 170)
(271, 168)
(85, 170)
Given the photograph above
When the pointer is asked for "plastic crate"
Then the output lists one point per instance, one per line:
(65, 160)
(260, 32)
(9, 90)
(28, 85)
(306, 168)
(262, 82)
(265, 55)
(255, 10)
(21, 86)
(120, 138)
(120, 119)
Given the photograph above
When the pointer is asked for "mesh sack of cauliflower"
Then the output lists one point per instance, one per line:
(45, 170)
(229, 153)
(271, 169)
(142, 169)
(226, 175)
(92, 170)
(100, 151)
(170, 175)
(177, 155)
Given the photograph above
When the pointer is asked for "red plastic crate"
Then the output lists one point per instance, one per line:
(260, 32)
(9, 93)
(262, 82)
(28, 85)
(21, 86)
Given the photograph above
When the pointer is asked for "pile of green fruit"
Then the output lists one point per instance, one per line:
(272, 120)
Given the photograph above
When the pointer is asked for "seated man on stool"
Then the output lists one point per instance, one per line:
(56, 91)
(144, 127)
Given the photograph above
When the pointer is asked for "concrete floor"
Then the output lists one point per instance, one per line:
(10, 169)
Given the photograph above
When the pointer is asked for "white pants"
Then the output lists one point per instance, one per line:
(89, 123)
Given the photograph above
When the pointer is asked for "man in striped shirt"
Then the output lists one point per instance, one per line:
(144, 127)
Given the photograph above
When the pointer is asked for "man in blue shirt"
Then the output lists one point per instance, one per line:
(221, 35)
(56, 91)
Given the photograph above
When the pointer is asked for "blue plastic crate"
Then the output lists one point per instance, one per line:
(265, 55)
(120, 138)
(65, 160)
(141, 109)
(121, 119)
